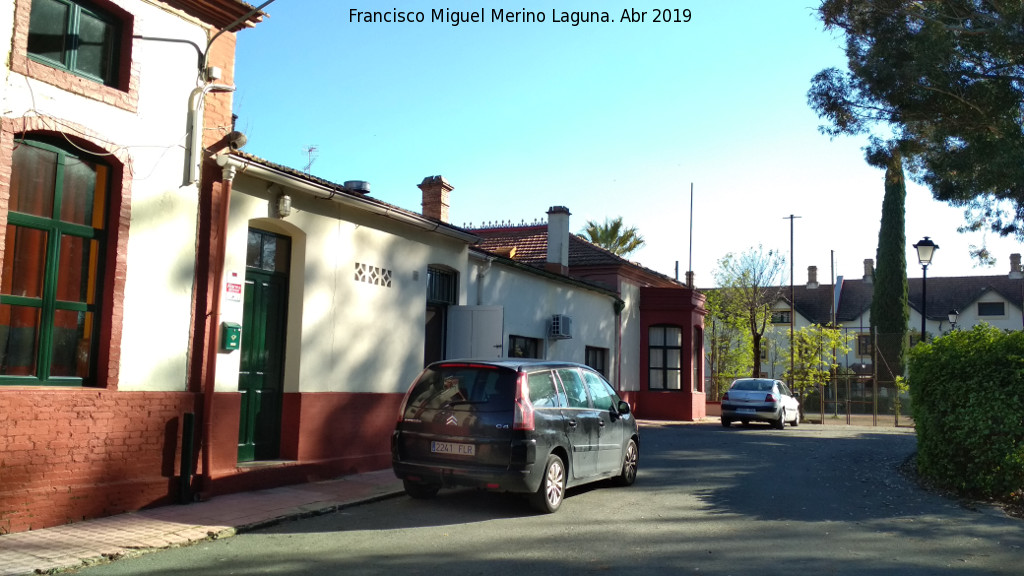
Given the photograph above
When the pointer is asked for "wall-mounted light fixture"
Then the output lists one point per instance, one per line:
(284, 205)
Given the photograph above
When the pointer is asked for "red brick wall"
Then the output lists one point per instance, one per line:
(124, 95)
(72, 454)
(323, 435)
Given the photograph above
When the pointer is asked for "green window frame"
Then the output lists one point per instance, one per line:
(77, 37)
(52, 267)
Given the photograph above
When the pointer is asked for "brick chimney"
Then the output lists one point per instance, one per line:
(558, 240)
(1016, 272)
(812, 277)
(869, 271)
(435, 197)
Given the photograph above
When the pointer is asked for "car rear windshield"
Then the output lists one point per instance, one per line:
(755, 385)
(452, 385)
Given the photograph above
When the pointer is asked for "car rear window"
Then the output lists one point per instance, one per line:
(462, 385)
(754, 385)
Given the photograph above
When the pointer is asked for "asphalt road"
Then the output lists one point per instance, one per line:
(708, 500)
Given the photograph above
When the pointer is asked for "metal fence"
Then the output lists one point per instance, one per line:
(857, 394)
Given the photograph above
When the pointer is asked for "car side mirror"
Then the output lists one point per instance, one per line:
(624, 407)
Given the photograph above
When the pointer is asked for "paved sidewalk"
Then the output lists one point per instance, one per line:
(135, 533)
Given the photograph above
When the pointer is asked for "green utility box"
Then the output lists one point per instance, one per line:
(230, 336)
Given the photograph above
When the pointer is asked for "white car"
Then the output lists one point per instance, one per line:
(760, 399)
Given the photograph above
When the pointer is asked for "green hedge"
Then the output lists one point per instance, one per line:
(968, 406)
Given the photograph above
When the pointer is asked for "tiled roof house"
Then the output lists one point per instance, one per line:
(660, 324)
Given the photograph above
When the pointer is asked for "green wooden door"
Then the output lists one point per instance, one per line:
(260, 375)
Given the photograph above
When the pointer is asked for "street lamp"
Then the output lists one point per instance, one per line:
(925, 250)
(953, 315)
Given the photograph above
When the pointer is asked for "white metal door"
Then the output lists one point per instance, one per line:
(475, 331)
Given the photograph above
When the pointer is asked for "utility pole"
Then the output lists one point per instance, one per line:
(792, 303)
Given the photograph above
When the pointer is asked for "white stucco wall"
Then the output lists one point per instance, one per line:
(530, 300)
(161, 244)
(344, 335)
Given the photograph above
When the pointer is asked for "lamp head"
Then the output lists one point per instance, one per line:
(925, 250)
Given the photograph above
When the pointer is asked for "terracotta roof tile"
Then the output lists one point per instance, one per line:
(531, 247)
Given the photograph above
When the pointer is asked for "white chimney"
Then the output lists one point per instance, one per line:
(869, 271)
(558, 240)
(1016, 272)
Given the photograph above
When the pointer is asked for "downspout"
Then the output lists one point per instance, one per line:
(213, 334)
(192, 178)
(481, 271)
(617, 306)
(194, 153)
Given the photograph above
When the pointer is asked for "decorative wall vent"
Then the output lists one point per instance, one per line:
(373, 275)
(561, 326)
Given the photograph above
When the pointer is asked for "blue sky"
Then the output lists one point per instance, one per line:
(609, 119)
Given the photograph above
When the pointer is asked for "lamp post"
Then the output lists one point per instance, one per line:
(953, 315)
(925, 250)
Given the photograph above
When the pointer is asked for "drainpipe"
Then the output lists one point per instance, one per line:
(481, 271)
(194, 158)
(218, 250)
(194, 153)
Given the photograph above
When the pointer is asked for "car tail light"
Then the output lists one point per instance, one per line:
(524, 408)
(405, 401)
(725, 396)
(770, 398)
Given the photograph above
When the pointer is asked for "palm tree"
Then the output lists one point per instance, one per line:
(613, 237)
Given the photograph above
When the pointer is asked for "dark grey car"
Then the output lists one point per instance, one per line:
(513, 425)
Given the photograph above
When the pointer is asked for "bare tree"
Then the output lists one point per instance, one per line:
(750, 283)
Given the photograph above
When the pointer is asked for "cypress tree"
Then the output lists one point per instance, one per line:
(890, 311)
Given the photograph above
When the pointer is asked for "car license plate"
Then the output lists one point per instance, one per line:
(745, 410)
(453, 448)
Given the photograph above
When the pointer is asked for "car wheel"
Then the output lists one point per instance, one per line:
(630, 461)
(726, 422)
(419, 490)
(548, 497)
(780, 424)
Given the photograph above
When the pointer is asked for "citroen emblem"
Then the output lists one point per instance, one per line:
(452, 420)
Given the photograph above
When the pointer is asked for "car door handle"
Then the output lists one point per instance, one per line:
(600, 423)
(572, 423)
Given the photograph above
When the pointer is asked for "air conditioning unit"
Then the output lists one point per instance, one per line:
(561, 326)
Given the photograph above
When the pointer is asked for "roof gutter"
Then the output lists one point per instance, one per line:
(235, 163)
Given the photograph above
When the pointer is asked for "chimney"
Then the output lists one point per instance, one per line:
(812, 277)
(1016, 272)
(869, 271)
(558, 240)
(435, 197)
